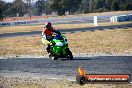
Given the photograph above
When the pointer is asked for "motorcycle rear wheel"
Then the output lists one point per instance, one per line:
(69, 54)
(53, 57)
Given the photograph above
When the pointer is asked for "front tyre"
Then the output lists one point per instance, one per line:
(69, 54)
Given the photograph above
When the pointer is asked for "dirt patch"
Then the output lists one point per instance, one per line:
(17, 82)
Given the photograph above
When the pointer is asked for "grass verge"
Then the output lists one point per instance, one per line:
(57, 26)
(117, 41)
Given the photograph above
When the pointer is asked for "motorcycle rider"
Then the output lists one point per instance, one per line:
(47, 32)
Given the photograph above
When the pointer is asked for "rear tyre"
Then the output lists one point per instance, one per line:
(69, 54)
(54, 58)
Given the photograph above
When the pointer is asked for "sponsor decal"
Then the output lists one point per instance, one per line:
(82, 77)
(3, 24)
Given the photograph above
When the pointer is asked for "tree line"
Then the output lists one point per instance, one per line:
(61, 7)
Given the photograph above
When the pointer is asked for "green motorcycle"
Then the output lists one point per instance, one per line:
(59, 48)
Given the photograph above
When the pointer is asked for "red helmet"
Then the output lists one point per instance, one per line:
(47, 25)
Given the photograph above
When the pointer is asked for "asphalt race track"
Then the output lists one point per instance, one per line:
(93, 65)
